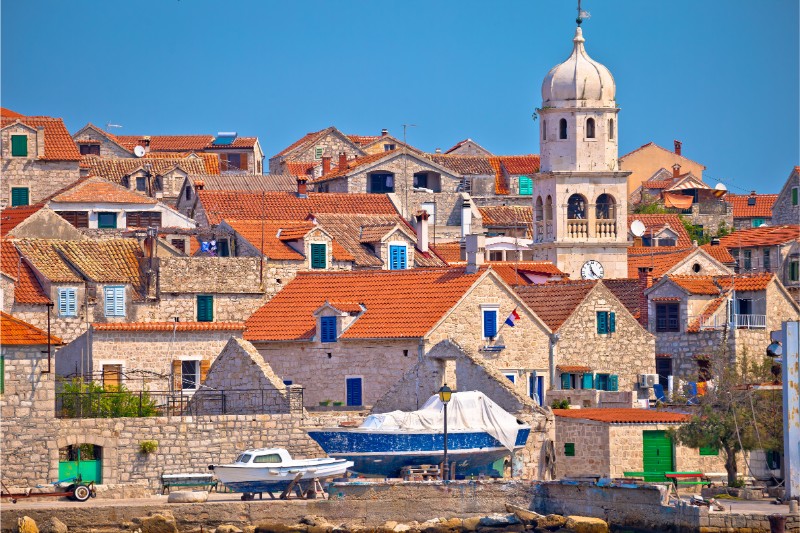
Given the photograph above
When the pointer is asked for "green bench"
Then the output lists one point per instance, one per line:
(205, 481)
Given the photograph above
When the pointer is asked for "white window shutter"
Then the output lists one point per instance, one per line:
(119, 301)
(109, 301)
(72, 304)
(62, 302)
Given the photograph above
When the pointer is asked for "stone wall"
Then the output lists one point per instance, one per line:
(208, 275)
(107, 148)
(332, 144)
(592, 453)
(783, 212)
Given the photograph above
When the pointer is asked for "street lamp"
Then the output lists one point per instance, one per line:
(444, 395)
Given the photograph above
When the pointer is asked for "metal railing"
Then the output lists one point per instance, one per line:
(720, 322)
(751, 321)
(127, 404)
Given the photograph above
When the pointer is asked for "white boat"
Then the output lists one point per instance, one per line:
(272, 469)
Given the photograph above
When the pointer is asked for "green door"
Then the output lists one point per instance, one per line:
(90, 469)
(657, 448)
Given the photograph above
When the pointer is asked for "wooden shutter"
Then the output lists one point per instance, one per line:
(177, 378)
(490, 323)
(205, 308)
(602, 322)
(318, 256)
(19, 145)
(19, 196)
(243, 161)
(588, 381)
(612, 322)
(62, 302)
(205, 364)
(133, 219)
(112, 376)
(613, 382)
(565, 381)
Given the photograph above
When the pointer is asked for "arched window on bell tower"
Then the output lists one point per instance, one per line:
(590, 128)
(576, 207)
(605, 207)
(562, 128)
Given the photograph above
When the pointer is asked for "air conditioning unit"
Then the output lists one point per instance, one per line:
(648, 380)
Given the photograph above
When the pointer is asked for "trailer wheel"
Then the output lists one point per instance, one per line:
(82, 493)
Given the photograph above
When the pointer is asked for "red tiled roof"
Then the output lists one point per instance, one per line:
(58, 143)
(114, 169)
(749, 282)
(300, 168)
(464, 164)
(448, 251)
(764, 236)
(622, 415)
(516, 272)
(707, 313)
(287, 206)
(238, 142)
(720, 253)
(573, 368)
(697, 284)
(715, 285)
(168, 326)
(627, 291)
(554, 302)
(246, 182)
(507, 215)
(93, 189)
(8, 113)
(656, 222)
(274, 247)
(657, 184)
(27, 289)
(210, 160)
(363, 139)
(14, 331)
(307, 138)
(399, 303)
(743, 209)
(352, 164)
(168, 143)
(660, 259)
(11, 217)
(518, 165)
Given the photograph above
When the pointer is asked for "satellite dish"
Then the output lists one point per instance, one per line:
(138, 151)
(637, 228)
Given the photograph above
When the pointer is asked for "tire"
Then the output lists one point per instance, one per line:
(82, 493)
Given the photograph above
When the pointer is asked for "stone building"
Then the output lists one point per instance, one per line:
(38, 158)
(467, 147)
(697, 319)
(751, 210)
(773, 249)
(609, 442)
(349, 336)
(651, 159)
(186, 201)
(599, 349)
(786, 209)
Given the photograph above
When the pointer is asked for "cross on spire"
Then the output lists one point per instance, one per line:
(581, 14)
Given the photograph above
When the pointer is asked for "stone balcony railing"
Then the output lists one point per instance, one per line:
(605, 228)
(577, 229)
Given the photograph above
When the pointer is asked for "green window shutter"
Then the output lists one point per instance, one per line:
(588, 381)
(565, 385)
(19, 146)
(613, 382)
(107, 220)
(19, 196)
(794, 196)
(569, 449)
(602, 322)
(612, 322)
(205, 308)
(525, 186)
(794, 271)
(709, 450)
(598, 382)
(318, 256)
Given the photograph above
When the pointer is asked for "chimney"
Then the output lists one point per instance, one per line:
(326, 164)
(645, 282)
(342, 161)
(677, 147)
(466, 218)
(302, 187)
(438, 150)
(384, 132)
(146, 143)
(422, 230)
(715, 241)
(40, 141)
(676, 170)
(476, 249)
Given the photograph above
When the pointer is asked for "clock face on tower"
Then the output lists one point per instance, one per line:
(592, 269)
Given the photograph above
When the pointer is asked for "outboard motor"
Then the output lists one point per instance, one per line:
(211, 467)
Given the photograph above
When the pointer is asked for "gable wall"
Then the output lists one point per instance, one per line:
(107, 148)
(783, 212)
(647, 161)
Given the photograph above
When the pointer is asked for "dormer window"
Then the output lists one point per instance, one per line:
(397, 257)
(327, 329)
(19, 146)
(319, 256)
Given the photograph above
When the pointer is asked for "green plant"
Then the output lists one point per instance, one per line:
(147, 447)
(338, 404)
(325, 402)
(92, 400)
(560, 404)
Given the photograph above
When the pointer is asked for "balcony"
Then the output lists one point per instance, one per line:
(750, 321)
(578, 229)
(706, 323)
(606, 228)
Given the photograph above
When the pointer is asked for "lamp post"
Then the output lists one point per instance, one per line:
(444, 395)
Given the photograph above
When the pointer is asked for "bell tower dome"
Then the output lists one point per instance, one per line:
(578, 118)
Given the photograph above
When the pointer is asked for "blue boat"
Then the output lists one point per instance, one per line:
(482, 434)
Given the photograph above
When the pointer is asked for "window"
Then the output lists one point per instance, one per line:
(536, 388)
(421, 180)
(107, 220)
(773, 459)
(188, 193)
(67, 302)
(611, 129)
(606, 382)
(224, 248)
(744, 306)
(703, 370)
(205, 308)
(141, 183)
(757, 222)
(489, 323)
(511, 377)
(233, 162)
(89, 149)
(271, 458)
(569, 449)
(544, 130)
(590, 128)
(319, 256)
(666, 241)
(112, 377)
(143, 219)
(79, 219)
(606, 322)
(19, 146)
(709, 450)
(605, 207)
(496, 255)
(397, 257)
(189, 377)
(381, 183)
(667, 316)
(576, 207)
(562, 128)
(318, 151)
(794, 270)
(179, 244)
(19, 196)
(748, 260)
(575, 381)
(353, 391)
(115, 301)
(327, 326)
(525, 186)
(664, 370)
(767, 262)
(388, 147)
(794, 196)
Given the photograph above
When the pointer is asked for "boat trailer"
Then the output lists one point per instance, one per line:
(76, 490)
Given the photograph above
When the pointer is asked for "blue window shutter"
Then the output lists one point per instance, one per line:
(565, 381)
(62, 302)
(613, 382)
(598, 382)
(328, 329)
(109, 301)
(612, 322)
(490, 323)
(72, 304)
(119, 301)
(525, 186)
(588, 381)
(403, 264)
(602, 322)
(397, 258)
(354, 391)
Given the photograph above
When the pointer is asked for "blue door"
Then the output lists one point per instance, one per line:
(354, 391)
(536, 388)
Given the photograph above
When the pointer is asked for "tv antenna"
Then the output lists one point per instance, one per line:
(109, 125)
(582, 15)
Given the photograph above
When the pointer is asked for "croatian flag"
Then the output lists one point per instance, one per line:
(512, 318)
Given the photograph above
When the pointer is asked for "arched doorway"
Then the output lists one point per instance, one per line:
(84, 460)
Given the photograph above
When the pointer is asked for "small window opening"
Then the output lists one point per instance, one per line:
(696, 268)
(590, 128)
(611, 129)
(562, 128)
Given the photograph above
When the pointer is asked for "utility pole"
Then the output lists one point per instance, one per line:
(406, 213)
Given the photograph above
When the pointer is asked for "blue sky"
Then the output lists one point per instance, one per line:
(720, 76)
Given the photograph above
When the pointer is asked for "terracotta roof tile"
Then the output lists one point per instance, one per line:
(352, 164)
(247, 182)
(168, 143)
(11, 217)
(627, 291)
(58, 143)
(573, 368)
(361, 140)
(4, 112)
(621, 415)
(93, 189)
(742, 208)
(707, 313)
(375, 232)
(287, 206)
(27, 289)
(238, 142)
(716, 285)
(657, 222)
(300, 168)
(507, 216)
(720, 253)
(16, 332)
(660, 259)
(554, 302)
(168, 326)
(210, 160)
(464, 165)
(306, 139)
(749, 282)
(519, 165)
(115, 169)
(416, 300)
(697, 284)
(449, 251)
(518, 272)
(764, 236)
(274, 247)
(657, 184)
